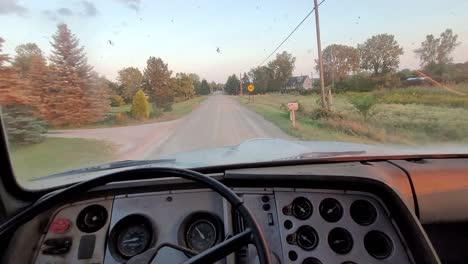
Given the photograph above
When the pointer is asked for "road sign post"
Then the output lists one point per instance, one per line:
(251, 88)
(292, 112)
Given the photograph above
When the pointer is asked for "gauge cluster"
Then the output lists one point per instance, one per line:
(307, 226)
(190, 219)
(346, 228)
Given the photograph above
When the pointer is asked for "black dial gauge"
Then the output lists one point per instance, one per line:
(133, 240)
(92, 218)
(306, 237)
(201, 235)
(301, 208)
(331, 210)
(340, 240)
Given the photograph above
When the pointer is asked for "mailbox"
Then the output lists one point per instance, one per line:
(293, 106)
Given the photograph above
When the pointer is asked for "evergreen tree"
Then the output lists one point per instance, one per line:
(74, 98)
(140, 106)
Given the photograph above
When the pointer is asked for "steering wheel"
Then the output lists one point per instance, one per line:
(251, 235)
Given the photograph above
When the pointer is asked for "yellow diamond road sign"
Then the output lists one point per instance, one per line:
(250, 88)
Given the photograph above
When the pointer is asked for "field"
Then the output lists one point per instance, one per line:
(57, 155)
(415, 115)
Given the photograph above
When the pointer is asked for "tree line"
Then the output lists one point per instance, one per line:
(373, 63)
(63, 90)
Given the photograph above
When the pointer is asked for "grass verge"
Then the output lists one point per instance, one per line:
(409, 123)
(55, 155)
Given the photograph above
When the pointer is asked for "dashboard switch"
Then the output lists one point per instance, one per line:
(86, 247)
(270, 219)
(57, 246)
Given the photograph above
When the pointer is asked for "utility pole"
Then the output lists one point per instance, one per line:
(319, 47)
(240, 79)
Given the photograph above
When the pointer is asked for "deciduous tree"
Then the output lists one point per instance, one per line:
(232, 85)
(131, 80)
(338, 62)
(281, 68)
(261, 77)
(380, 54)
(156, 81)
(204, 88)
(437, 50)
(183, 86)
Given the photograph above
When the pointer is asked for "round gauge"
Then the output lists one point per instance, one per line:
(311, 260)
(363, 212)
(201, 235)
(331, 210)
(131, 236)
(301, 208)
(307, 237)
(340, 240)
(92, 218)
(133, 240)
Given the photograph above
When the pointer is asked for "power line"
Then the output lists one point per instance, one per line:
(292, 32)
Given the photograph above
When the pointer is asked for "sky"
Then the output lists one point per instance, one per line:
(218, 38)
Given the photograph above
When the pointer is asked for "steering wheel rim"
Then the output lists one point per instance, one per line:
(251, 235)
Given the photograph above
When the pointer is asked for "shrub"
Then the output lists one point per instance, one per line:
(364, 104)
(117, 100)
(22, 127)
(360, 82)
(121, 118)
(140, 106)
(320, 113)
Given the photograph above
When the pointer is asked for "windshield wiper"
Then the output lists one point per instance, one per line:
(308, 155)
(110, 166)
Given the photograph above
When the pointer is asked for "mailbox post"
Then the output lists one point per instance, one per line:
(292, 107)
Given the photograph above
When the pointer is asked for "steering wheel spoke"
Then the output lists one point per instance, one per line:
(223, 249)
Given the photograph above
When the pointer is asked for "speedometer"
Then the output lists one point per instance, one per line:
(201, 235)
(132, 235)
(133, 240)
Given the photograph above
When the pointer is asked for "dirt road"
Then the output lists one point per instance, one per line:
(218, 121)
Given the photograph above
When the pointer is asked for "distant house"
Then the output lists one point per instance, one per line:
(299, 82)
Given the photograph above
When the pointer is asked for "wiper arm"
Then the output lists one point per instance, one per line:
(109, 166)
(324, 154)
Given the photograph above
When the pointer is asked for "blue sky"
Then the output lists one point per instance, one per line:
(186, 33)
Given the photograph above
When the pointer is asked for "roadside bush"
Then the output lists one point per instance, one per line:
(155, 113)
(364, 104)
(140, 106)
(117, 100)
(320, 113)
(387, 81)
(164, 103)
(360, 82)
(121, 118)
(22, 127)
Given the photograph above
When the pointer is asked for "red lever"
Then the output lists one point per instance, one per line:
(59, 225)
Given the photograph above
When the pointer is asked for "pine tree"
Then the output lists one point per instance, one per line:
(75, 98)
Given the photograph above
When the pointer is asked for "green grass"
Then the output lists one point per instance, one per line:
(57, 155)
(412, 123)
(179, 109)
(273, 108)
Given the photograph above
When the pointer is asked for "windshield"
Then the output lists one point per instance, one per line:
(200, 83)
